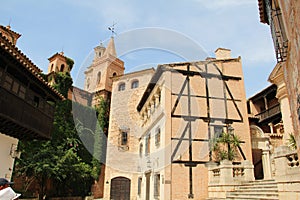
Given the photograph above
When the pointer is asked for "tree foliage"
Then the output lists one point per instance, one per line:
(63, 161)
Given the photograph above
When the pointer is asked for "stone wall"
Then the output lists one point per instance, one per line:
(290, 13)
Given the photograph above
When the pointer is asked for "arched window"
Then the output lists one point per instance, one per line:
(121, 87)
(62, 67)
(114, 74)
(134, 84)
(98, 78)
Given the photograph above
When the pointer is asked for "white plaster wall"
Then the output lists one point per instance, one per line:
(6, 161)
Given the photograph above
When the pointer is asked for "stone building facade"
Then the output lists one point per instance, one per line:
(159, 133)
(283, 18)
(123, 137)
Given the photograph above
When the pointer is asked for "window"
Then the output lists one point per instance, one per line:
(62, 67)
(157, 137)
(141, 149)
(139, 186)
(8, 82)
(36, 101)
(135, 84)
(98, 78)
(122, 87)
(278, 30)
(147, 147)
(124, 138)
(114, 74)
(156, 186)
(15, 87)
(218, 130)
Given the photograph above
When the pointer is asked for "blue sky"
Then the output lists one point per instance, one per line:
(77, 26)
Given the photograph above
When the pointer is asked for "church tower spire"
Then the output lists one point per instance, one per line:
(111, 50)
(105, 65)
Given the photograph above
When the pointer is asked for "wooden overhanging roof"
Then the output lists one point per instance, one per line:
(262, 12)
(271, 88)
(7, 29)
(11, 49)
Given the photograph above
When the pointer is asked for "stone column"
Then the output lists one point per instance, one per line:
(149, 110)
(226, 172)
(152, 105)
(266, 164)
(156, 96)
(248, 170)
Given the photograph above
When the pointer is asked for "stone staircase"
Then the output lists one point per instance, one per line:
(260, 189)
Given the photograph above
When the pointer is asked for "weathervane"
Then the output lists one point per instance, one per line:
(112, 29)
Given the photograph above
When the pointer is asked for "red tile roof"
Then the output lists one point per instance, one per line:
(26, 62)
(262, 12)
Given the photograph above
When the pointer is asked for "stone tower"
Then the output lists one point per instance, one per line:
(11, 35)
(98, 75)
(58, 63)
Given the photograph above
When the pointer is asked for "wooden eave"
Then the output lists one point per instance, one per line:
(25, 62)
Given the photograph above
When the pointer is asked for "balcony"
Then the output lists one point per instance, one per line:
(271, 112)
(22, 120)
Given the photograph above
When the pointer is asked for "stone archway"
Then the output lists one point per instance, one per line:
(260, 153)
(120, 188)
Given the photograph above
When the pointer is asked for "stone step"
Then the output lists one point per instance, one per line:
(260, 182)
(253, 193)
(257, 187)
(241, 197)
(263, 189)
(257, 190)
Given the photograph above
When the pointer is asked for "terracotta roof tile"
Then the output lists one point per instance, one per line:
(26, 62)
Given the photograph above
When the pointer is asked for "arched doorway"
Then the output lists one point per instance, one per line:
(120, 188)
(260, 153)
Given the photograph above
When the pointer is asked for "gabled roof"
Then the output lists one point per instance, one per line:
(61, 54)
(6, 45)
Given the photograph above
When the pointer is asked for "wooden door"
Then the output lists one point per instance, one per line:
(120, 188)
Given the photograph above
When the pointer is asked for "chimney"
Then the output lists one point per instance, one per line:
(222, 53)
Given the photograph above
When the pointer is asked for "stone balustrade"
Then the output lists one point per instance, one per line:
(287, 172)
(226, 176)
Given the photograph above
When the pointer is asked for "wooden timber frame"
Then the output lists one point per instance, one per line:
(189, 118)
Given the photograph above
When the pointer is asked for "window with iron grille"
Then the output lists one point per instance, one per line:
(141, 149)
(147, 143)
(218, 130)
(157, 137)
(139, 186)
(278, 31)
(156, 186)
(124, 138)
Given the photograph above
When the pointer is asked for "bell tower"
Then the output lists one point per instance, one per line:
(105, 65)
(58, 63)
